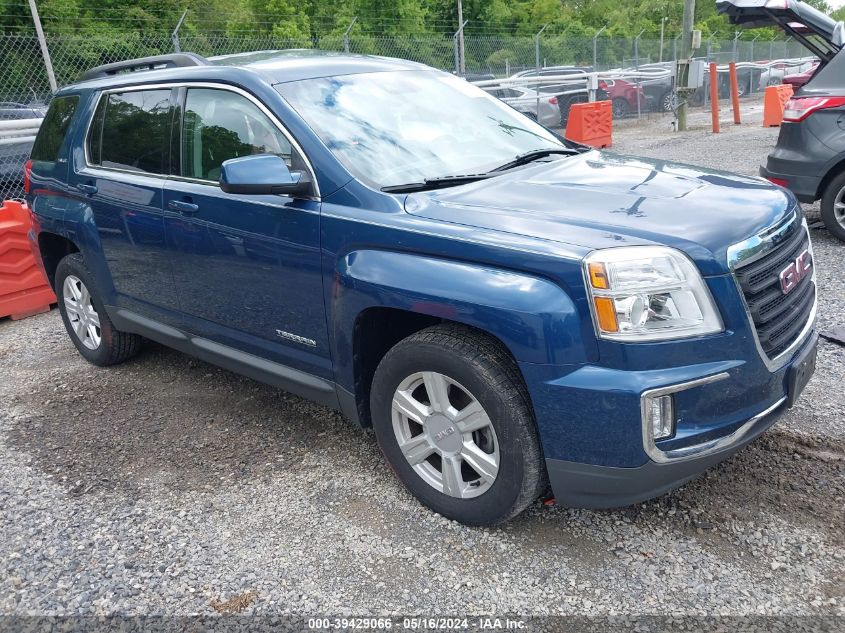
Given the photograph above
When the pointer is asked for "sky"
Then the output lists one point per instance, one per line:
(836, 3)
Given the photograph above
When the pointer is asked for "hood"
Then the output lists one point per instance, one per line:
(599, 200)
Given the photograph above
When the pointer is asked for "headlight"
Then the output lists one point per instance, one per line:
(648, 293)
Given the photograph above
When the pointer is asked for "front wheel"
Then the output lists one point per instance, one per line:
(833, 207)
(452, 417)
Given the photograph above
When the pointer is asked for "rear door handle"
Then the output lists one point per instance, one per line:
(185, 208)
(87, 188)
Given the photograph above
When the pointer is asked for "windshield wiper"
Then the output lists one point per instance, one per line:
(536, 154)
(436, 183)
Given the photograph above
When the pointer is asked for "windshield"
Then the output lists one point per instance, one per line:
(393, 128)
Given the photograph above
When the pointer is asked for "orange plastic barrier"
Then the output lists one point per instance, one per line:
(774, 104)
(23, 288)
(591, 123)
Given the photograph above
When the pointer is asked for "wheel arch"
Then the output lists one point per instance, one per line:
(53, 248)
(381, 297)
(837, 167)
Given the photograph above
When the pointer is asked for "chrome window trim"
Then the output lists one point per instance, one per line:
(188, 85)
(648, 433)
(753, 249)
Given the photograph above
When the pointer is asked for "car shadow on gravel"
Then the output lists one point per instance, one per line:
(172, 420)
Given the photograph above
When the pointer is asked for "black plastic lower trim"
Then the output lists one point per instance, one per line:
(292, 380)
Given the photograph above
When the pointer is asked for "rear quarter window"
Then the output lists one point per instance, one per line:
(54, 129)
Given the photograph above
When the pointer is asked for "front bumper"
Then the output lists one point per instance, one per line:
(716, 421)
(589, 486)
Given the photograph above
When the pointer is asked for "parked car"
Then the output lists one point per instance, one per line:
(536, 106)
(568, 92)
(775, 75)
(809, 158)
(502, 306)
(800, 79)
(624, 96)
(659, 91)
(14, 155)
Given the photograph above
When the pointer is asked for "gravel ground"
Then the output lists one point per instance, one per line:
(169, 486)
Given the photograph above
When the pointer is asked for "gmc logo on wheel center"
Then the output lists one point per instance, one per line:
(792, 275)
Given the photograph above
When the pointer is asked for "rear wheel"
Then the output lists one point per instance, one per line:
(620, 108)
(85, 318)
(452, 418)
(833, 206)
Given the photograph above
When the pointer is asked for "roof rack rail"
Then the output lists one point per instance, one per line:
(156, 62)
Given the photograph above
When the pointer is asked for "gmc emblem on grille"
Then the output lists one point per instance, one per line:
(792, 275)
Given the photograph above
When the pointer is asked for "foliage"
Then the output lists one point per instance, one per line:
(316, 18)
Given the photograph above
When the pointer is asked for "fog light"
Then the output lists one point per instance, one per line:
(661, 417)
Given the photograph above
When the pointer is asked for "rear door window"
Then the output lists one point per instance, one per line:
(54, 127)
(131, 130)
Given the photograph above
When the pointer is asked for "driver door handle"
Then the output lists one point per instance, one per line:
(185, 208)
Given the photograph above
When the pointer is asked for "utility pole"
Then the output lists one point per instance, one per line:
(683, 64)
(42, 41)
(462, 53)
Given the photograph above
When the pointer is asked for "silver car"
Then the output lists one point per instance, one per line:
(526, 100)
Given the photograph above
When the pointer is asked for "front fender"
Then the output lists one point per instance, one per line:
(533, 317)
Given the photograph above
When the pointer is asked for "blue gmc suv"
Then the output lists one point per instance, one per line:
(506, 309)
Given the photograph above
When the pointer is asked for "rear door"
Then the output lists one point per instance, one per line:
(127, 157)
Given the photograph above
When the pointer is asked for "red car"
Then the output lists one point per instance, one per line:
(623, 95)
(799, 79)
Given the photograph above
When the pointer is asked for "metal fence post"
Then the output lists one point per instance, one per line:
(738, 34)
(675, 48)
(637, 67)
(596, 48)
(174, 37)
(45, 52)
(456, 42)
(346, 34)
(537, 65)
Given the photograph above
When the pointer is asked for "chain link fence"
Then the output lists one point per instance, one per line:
(25, 87)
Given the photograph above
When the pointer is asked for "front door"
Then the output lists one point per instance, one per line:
(247, 267)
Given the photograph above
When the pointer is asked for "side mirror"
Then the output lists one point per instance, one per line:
(263, 174)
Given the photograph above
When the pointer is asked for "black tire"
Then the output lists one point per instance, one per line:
(620, 108)
(481, 365)
(114, 346)
(667, 101)
(831, 193)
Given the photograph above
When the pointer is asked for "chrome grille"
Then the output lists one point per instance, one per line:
(779, 319)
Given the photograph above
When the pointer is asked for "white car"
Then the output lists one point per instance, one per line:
(525, 100)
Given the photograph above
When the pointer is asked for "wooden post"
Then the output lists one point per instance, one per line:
(735, 94)
(714, 97)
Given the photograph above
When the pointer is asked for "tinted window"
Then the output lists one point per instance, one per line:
(220, 125)
(54, 129)
(135, 131)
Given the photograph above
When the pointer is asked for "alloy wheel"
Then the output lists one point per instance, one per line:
(81, 314)
(445, 435)
(839, 208)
